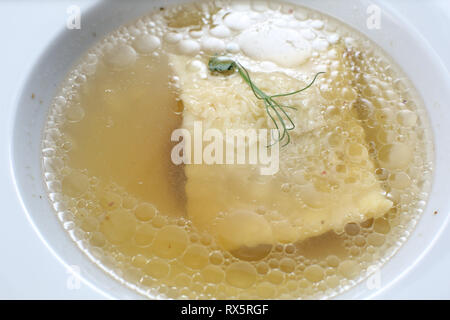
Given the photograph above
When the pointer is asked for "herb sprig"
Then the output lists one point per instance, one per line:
(276, 111)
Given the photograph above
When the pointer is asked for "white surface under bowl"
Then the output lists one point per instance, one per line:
(397, 36)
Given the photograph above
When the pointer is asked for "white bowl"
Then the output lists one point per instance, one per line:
(396, 36)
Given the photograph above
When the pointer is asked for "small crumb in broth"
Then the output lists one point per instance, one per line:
(106, 152)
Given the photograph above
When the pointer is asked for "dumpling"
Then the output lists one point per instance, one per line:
(325, 179)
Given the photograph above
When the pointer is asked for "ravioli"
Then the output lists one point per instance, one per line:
(326, 177)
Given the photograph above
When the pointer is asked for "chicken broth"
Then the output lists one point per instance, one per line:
(352, 182)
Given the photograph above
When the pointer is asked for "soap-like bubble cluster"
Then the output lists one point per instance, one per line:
(161, 255)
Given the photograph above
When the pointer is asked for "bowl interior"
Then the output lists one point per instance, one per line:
(396, 36)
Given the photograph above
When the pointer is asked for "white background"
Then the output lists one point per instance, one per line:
(29, 271)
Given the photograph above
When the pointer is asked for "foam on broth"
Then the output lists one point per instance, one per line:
(106, 157)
